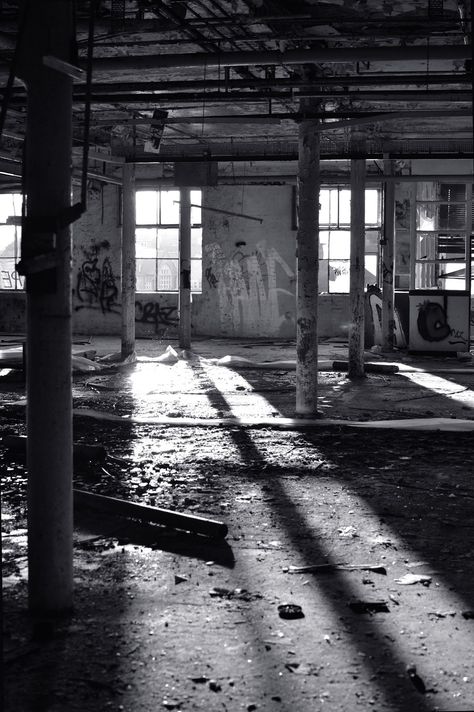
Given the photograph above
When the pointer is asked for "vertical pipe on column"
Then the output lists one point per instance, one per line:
(184, 304)
(307, 265)
(388, 270)
(413, 188)
(357, 269)
(128, 261)
(468, 236)
(49, 384)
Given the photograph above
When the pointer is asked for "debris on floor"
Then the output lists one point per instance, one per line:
(290, 611)
(153, 515)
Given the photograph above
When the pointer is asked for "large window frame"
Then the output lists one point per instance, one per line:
(10, 242)
(442, 236)
(335, 238)
(157, 240)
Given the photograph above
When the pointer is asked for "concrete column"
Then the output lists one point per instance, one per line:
(46, 261)
(307, 266)
(388, 267)
(128, 261)
(184, 304)
(357, 274)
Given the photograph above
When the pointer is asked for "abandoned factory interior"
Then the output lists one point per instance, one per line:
(236, 362)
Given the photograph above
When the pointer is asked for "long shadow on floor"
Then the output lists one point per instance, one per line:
(376, 649)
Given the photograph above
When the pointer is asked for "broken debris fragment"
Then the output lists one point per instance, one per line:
(179, 579)
(369, 606)
(329, 568)
(240, 594)
(410, 579)
(416, 679)
(348, 532)
(290, 611)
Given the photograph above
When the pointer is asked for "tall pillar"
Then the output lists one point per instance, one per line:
(357, 269)
(184, 306)
(388, 269)
(128, 261)
(307, 266)
(46, 262)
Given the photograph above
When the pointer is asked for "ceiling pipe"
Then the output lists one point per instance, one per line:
(272, 57)
(370, 79)
(263, 96)
(396, 153)
(365, 116)
(231, 97)
(278, 82)
(291, 179)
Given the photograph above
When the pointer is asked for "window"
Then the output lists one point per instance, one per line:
(443, 230)
(157, 240)
(335, 238)
(10, 240)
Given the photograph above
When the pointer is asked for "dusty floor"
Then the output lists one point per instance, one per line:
(168, 620)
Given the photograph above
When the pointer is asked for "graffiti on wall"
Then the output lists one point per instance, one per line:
(373, 321)
(153, 313)
(211, 278)
(96, 284)
(249, 286)
(433, 325)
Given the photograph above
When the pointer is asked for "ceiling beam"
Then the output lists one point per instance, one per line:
(360, 80)
(238, 96)
(272, 57)
(366, 116)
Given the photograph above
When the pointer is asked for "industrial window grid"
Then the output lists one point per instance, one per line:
(335, 238)
(442, 244)
(157, 240)
(10, 241)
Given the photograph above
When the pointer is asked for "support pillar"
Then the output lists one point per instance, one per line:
(388, 268)
(184, 304)
(128, 261)
(357, 269)
(307, 266)
(46, 262)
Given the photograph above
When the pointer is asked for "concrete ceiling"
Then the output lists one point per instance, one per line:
(176, 80)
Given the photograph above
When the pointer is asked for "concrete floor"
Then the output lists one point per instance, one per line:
(168, 620)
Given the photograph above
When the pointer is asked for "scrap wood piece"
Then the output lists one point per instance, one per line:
(443, 424)
(81, 451)
(151, 515)
(328, 568)
(369, 367)
(369, 606)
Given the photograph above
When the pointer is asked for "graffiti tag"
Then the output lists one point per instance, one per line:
(155, 314)
(211, 278)
(433, 326)
(96, 284)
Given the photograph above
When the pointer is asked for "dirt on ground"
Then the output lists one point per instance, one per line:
(346, 578)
